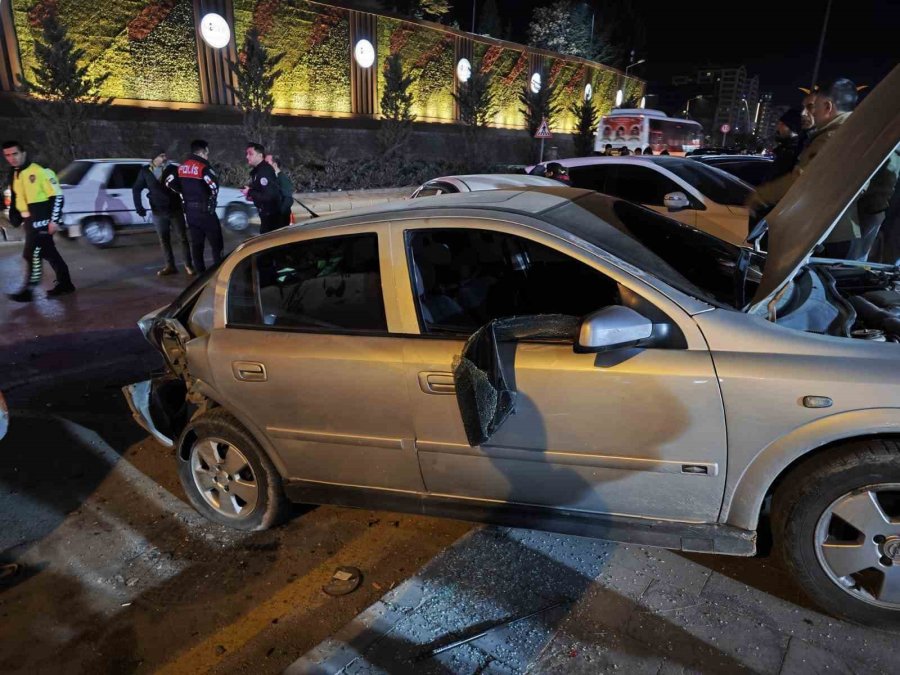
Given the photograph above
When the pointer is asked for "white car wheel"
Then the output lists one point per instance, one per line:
(100, 232)
(237, 217)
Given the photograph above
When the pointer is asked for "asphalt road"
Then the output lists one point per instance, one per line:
(120, 573)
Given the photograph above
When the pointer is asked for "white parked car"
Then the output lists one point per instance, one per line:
(695, 194)
(99, 203)
(480, 181)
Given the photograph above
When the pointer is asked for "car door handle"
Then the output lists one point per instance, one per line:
(248, 371)
(433, 382)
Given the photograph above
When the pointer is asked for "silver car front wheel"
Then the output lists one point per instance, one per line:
(858, 544)
(836, 521)
(237, 217)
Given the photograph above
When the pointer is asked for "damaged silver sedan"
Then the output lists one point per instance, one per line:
(558, 359)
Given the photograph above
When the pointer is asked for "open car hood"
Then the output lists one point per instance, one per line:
(817, 200)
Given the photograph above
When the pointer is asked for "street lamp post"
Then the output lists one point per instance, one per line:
(632, 65)
(688, 107)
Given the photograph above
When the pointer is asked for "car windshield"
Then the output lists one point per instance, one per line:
(73, 173)
(685, 258)
(716, 184)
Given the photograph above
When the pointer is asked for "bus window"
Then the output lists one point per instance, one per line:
(677, 136)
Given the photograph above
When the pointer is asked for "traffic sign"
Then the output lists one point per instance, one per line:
(543, 130)
(726, 128)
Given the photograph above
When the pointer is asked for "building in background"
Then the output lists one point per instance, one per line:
(768, 117)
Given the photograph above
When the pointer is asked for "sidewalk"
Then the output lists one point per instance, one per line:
(629, 609)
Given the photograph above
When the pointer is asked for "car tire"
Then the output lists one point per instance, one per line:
(219, 462)
(237, 217)
(813, 512)
(99, 232)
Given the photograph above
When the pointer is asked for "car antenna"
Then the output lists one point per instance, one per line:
(312, 213)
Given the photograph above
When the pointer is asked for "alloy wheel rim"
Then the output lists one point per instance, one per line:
(98, 233)
(224, 478)
(858, 544)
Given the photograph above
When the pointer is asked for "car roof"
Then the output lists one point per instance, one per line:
(102, 160)
(490, 181)
(731, 158)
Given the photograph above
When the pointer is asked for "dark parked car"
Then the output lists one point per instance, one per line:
(752, 169)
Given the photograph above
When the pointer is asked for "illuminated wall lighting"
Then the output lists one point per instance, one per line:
(619, 97)
(463, 70)
(535, 83)
(588, 92)
(215, 31)
(364, 53)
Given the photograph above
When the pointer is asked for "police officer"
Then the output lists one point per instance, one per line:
(263, 190)
(36, 205)
(166, 208)
(198, 186)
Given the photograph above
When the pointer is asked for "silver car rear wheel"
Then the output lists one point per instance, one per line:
(224, 478)
(237, 217)
(100, 232)
(858, 545)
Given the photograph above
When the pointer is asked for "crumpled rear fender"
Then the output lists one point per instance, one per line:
(159, 406)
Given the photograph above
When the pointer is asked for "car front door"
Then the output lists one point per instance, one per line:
(305, 357)
(636, 432)
(648, 187)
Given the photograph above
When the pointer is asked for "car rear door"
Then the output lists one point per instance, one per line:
(114, 198)
(637, 432)
(305, 356)
(646, 186)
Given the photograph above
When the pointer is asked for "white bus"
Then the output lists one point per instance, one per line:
(639, 128)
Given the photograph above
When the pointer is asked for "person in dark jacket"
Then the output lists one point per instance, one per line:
(198, 186)
(166, 209)
(286, 188)
(787, 148)
(263, 188)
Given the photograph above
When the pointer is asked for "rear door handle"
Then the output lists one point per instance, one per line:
(434, 382)
(248, 371)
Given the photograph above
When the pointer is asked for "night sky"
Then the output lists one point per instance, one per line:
(775, 39)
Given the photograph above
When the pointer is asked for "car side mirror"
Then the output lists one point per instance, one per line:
(612, 327)
(676, 201)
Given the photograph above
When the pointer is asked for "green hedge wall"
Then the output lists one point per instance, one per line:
(148, 48)
(315, 42)
(427, 55)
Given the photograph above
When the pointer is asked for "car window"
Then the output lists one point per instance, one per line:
(718, 185)
(463, 278)
(640, 184)
(589, 177)
(432, 189)
(752, 173)
(330, 284)
(123, 176)
(73, 173)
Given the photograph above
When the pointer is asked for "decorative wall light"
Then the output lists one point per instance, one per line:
(463, 70)
(588, 92)
(364, 53)
(215, 31)
(535, 83)
(619, 97)
(643, 102)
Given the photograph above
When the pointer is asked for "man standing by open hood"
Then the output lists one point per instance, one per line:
(831, 109)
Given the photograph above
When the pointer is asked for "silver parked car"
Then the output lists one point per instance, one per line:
(448, 185)
(668, 388)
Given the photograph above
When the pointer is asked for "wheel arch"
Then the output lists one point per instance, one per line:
(182, 445)
(744, 499)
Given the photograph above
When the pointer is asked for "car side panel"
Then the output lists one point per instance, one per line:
(765, 371)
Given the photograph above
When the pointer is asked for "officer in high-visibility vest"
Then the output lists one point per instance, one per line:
(36, 205)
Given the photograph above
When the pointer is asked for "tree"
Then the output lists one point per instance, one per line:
(477, 107)
(537, 106)
(255, 73)
(561, 27)
(396, 107)
(489, 21)
(421, 9)
(586, 125)
(62, 96)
